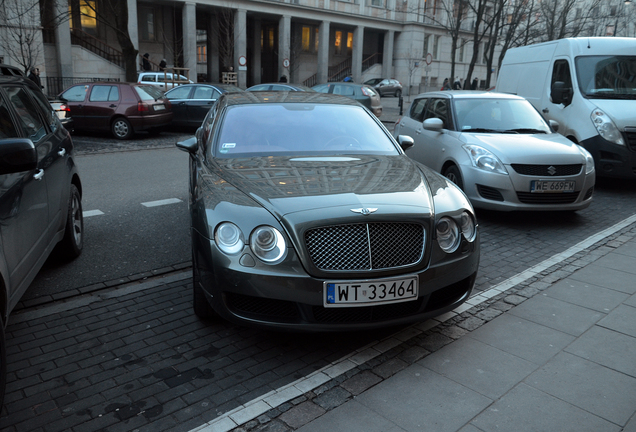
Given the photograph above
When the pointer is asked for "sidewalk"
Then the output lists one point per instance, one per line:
(561, 360)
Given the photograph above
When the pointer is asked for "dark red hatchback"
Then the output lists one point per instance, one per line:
(122, 108)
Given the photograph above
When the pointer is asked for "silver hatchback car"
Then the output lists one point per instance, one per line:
(499, 150)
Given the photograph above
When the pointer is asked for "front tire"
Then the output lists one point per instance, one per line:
(72, 243)
(122, 129)
(453, 174)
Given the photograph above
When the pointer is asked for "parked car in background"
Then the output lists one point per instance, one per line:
(191, 102)
(163, 80)
(122, 108)
(386, 86)
(40, 192)
(499, 150)
(359, 92)
(280, 87)
(307, 215)
(63, 113)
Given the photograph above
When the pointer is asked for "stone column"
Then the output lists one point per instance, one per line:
(387, 54)
(256, 56)
(284, 42)
(356, 60)
(240, 46)
(63, 41)
(323, 53)
(212, 48)
(190, 39)
(133, 28)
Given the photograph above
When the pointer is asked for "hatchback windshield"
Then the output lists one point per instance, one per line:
(607, 77)
(298, 129)
(148, 92)
(498, 115)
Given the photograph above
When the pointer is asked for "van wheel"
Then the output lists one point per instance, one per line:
(122, 129)
(72, 243)
(453, 174)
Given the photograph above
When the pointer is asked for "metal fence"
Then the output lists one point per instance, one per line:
(55, 85)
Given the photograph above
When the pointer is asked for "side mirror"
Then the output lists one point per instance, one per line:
(554, 125)
(560, 94)
(405, 141)
(190, 145)
(434, 124)
(17, 155)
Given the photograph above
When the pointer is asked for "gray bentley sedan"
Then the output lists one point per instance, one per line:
(307, 215)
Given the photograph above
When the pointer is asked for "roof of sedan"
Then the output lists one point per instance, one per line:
(244, 98)
(470, 94)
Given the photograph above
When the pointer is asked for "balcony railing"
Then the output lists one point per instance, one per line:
(96, 46)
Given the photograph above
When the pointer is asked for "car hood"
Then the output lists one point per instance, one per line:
(287, 185)
(620, 111)
(528, 149)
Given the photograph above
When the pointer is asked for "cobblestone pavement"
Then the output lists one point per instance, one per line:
(93, 142)
(133, 357)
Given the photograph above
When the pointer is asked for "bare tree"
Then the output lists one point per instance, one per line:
(224, 36)
(21, 39)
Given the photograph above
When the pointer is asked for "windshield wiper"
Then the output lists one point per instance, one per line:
(481, 130)
(525, 131)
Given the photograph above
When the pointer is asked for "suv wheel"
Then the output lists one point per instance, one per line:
(122, 129)
(73, 242)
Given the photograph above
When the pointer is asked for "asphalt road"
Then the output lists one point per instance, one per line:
(136, 216)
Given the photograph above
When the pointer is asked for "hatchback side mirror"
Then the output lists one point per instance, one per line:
(405, 141)
(17, 155)
(434, 124)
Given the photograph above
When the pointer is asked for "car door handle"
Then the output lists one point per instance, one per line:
(62, 151)
(38, 175)
(545, 110)
(181, 103)
(419, 131)
(112, 106)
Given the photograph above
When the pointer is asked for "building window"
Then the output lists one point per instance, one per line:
(306, 38)
(436, 47)
(87, 19)
(338, 43)
(349, 43)
(379, 3)
(202, 54)
(316, 43)
(147, 21)
(426, 38)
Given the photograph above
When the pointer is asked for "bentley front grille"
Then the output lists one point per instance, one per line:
(370, 246)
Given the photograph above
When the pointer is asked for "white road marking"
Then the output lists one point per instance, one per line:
(256, 407)
(90, 213)
(161, 202)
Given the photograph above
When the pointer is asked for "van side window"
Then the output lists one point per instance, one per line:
(561, 72)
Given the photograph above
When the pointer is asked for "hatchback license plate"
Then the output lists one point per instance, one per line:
(159, 107)
(370, 292)
(541, 186)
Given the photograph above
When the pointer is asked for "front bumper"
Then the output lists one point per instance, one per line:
(287, 298)
(612, 160)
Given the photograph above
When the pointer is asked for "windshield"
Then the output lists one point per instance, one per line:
(607, 77)
(498, 115)
(300, 129)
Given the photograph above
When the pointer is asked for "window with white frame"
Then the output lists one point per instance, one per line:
(147, 24)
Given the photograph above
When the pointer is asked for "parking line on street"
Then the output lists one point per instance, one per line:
(90, 213)
(256, 407)
(161, 202)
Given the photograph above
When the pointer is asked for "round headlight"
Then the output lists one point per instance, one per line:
(268, 244)
(469, 229)
(447, 234)
(229, 238)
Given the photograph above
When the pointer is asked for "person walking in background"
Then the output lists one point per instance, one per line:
(163, 64)
(475, 83)
(34, 76)
(446, 84)
(145, 63)
(457, 85)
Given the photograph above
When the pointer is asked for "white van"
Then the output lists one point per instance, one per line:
(163, 80)
(588, 85)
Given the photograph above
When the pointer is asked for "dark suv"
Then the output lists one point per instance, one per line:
(40, 192)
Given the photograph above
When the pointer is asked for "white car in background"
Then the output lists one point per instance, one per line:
(499, 150)
(164, 80)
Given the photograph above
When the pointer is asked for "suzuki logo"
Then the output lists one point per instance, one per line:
(552, 170)
(364, 211)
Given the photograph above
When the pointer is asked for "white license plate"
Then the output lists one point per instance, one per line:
(544, 186)
(159, 107)
(370, 292)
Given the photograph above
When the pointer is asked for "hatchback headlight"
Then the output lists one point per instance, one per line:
(589, 160)
(229, 238)
(447, 234)
(484, 159)
(268, 244)
(606, 127)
